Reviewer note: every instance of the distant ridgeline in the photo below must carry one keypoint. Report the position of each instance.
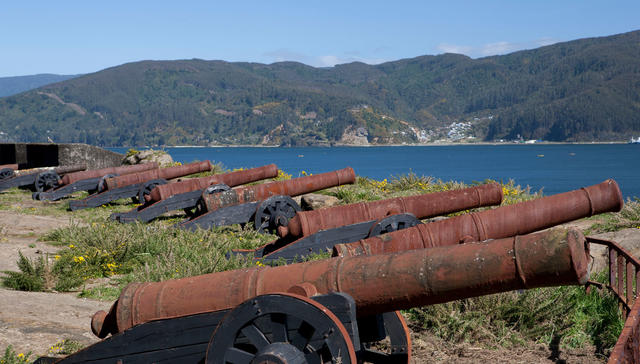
(582, 90)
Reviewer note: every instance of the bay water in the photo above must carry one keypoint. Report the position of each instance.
(552, 168)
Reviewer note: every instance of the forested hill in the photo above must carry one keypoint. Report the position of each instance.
(582, 90)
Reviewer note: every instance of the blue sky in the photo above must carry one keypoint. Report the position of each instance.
(69, 37)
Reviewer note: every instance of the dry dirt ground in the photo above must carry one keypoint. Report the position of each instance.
(34, 321)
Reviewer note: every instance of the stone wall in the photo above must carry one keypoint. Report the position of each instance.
(33, 155)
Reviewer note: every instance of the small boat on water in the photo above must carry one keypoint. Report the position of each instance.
(634, 141)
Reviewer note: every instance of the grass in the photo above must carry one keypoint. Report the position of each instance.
(628, 217)
(98, 257)
(562, 316)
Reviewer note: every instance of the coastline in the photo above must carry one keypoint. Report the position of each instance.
(372, 145)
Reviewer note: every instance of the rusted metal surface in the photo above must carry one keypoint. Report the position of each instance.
(10, 166)
(521, 218)
(74, 168)
(292, 187)
(624, 275)
(378, 283)
(627, 348)
(421, 206)
(162, 173)
(96, 173)
(230, 179)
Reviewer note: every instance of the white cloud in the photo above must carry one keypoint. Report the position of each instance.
(499, 48)
(545, 42)
(329, 60)
(452, 48)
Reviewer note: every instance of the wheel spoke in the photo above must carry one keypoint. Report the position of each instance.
(302, 336)
(279, 328)
(255, 336)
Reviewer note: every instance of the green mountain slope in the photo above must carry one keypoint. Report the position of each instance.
(587, 89)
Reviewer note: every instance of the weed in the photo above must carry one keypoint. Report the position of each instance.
(33, 276)
(65, 347)
(11, 357)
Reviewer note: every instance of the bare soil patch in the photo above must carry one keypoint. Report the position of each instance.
(34, 321)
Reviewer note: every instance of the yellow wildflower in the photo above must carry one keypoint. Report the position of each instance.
(21, 355)
(79, 259)
(71, 246)
(57, 257)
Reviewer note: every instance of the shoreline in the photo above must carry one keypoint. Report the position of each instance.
(370, 145)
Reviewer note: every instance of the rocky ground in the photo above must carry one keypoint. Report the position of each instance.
(35, 321)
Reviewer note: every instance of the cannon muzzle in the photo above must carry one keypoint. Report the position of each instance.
(378, 283)
(502, 222)
(230, 179)
(161, 173)
(421, 206)
(292, 187)
(97, 173)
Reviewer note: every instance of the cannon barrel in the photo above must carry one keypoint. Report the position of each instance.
(96, 173)
(230, 179)
(9, 166)
(74, 168)
(379, 283)
(292, 187)
(501, 222)
(422, 206)
(161, 173)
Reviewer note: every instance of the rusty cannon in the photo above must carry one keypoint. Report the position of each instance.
(268, 205)
(186, 194)
(7, 170)
(317, 231)
(40, 180)
(137, 185)
(91, 180)
(325, 311)
(501, 222)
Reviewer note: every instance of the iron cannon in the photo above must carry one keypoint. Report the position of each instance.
(91, 180)
(268, 205)
(136, 184)
(501, 222)
(39, 180)
(318, 231)
(185, 194)
(325, 311)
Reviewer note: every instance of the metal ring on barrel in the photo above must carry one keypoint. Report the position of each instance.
(201, 206)
(280, 328)
(273, 212)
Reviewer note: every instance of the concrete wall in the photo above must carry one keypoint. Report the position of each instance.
(32, 155)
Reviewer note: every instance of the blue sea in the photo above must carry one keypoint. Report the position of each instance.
(552, 168)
